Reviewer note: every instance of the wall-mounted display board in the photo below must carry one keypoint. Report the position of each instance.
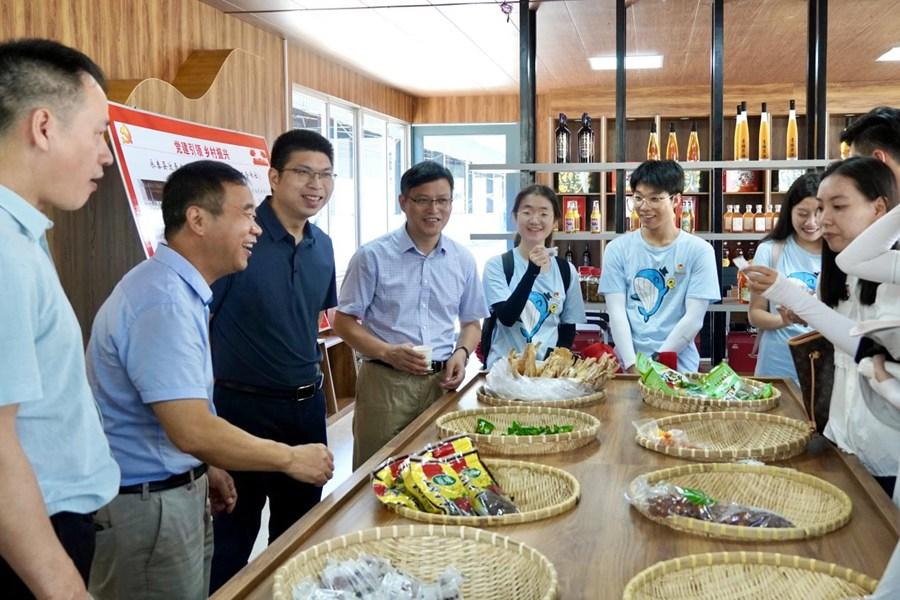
(149, 147)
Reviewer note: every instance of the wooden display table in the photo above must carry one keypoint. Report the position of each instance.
(601, 544)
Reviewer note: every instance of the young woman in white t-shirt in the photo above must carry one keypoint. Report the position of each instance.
(854, 194)
(794, 249)
(534, 306)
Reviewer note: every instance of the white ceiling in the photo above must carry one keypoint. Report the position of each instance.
(426, 49)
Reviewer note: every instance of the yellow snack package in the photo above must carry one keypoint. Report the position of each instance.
(436, 487)
(459, 444)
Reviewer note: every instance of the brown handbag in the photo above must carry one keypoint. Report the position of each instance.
(814, 359)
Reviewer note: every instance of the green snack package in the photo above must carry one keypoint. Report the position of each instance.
(484, 427)
(723, 382)
(697, 497)
(657, 376)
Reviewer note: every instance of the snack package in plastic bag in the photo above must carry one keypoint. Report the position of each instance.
(723, 382)
(436, 487)
(360, 576)
(505, 382)
(387, 483)
(671, 438)
(665, 499)
(457, 444)
(720, 382)
(657, 376)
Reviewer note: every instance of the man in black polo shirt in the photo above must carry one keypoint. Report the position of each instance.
(264, 342)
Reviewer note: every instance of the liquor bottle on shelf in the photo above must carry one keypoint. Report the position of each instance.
(586, 257)
(634, 221)
(596, 220)
(693, 147)
(562, 139)
(726, 254)
(770, 218)
(776, 215)
(653, 143)
(585, 140)
(748, 218)
(759, 220)
(728, 220)
(737, 222)
(737, 133)
(845, 147)
(672, 144)
(571, 219)
(792, 139)
(744, 140)
(765, 134)
(570, 256)
(687, 215)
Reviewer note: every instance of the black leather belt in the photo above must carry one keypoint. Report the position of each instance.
(166, 484)
(299, 393)
(436, 365)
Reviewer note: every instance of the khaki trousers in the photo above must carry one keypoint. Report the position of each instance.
(387, 400)
(157, 545)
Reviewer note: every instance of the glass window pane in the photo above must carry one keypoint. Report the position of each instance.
(342, 208)
(373, 191)
(308, 112)
(479, 198)
(396, 164)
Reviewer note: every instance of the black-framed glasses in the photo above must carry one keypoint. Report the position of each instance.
(305, 174)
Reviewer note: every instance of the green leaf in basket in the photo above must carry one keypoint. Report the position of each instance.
(697, 497)
(484, 427)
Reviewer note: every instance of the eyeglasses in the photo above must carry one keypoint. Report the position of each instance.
(424, 201)
(652, 200)
(304, 174)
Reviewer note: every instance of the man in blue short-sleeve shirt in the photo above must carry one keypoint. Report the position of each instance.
(150, 366)
(54, 459)
(409, 288)
(265, 342)
(659, 280)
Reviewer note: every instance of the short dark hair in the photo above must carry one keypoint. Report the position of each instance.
(878, 129)
(543, 191)
(422, 173)
(299, 140)
(666, 175)
(874, 180)
(37, 71)
(803, 187)
(198, 183)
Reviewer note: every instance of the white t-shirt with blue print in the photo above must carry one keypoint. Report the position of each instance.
(800, 267)
(656, 282)
(548, 305)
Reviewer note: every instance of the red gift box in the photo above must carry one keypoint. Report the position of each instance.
(739, 350)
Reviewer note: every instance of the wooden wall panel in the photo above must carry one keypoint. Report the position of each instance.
(311, 70)
(467, 109)
(133, 41)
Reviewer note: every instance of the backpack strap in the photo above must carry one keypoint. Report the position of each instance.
(565, 271)
(508, 265)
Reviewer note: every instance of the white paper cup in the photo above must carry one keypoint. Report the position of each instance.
(425, 351)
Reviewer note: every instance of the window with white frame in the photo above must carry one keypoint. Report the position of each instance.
(371, 152)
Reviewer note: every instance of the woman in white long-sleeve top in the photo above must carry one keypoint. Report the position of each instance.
(854, 194)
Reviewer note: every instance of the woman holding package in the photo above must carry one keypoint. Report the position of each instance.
(854, 194)
(532, 298)
(794, 249)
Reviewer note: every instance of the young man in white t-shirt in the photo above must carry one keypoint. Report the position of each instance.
(659, 280)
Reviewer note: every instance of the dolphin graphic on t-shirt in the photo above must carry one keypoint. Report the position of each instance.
(651, 287)
(536, 311)
(809, 279)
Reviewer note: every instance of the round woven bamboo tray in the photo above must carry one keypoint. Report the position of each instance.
(492, 565)
(486, 396)
(585, 428)
(691, 404)
(538, 491)
(747, 576)
(732, 435)
(815, 506)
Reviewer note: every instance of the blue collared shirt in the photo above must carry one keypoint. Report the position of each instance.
(402, 295)
(42, 369)
(150, 343)
(266, 317)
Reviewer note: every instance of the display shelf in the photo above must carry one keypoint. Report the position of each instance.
(599, 167)
(730, 307)
(584, 236)
(606, 236)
